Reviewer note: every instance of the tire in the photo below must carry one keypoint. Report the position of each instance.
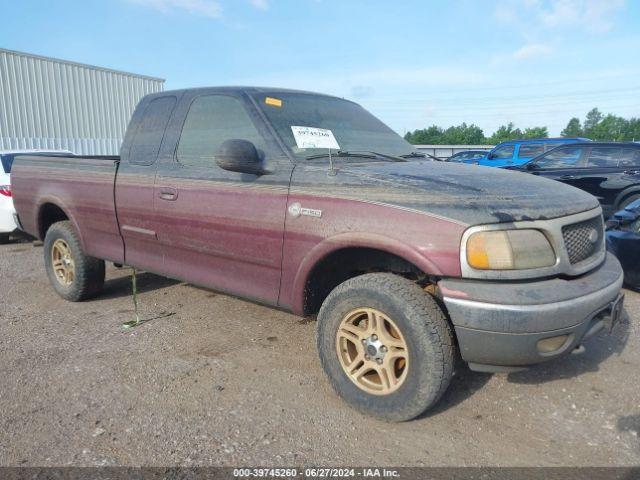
(88, 272)
(4, 238)
(627, 201)
(430, 351)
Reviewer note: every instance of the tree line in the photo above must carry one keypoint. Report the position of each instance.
(596, 126)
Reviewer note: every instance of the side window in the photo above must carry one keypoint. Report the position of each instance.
(213, 119)
(564, 157)
(146, 143)
(630, 157)
(503, 152)
(604, 157)
(531, 150)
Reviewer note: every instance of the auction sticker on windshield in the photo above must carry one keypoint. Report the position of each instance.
(310, 137)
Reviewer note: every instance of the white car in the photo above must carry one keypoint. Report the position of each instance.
(7, 220)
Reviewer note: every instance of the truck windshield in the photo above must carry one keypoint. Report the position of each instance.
(354, 129)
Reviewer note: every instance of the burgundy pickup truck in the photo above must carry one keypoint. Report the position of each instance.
(309, 203)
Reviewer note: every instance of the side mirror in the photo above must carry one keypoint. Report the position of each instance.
(531, 166)
(491, 156)
(239, 156)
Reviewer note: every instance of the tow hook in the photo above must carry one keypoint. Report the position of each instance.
(578, 350)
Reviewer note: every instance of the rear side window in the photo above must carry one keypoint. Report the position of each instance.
(146, 143)
(604, 157)
(564, 157)
(503, 152)
(630, 157)
(531, 150)
(213, 119)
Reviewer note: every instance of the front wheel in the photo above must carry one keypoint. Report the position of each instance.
(385, 345)
(74, 275)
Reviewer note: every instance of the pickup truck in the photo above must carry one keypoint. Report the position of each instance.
(309, 203)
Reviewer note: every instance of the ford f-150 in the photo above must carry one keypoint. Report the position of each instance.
(309, 203)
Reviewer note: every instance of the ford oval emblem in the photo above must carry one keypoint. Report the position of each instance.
(593, 236)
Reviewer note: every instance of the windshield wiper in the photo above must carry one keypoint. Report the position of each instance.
(422, 155)
(341, 153)
(358, 154)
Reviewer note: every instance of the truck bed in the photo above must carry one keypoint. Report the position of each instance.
(83, 184)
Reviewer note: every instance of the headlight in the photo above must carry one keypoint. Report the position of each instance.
(509, 250)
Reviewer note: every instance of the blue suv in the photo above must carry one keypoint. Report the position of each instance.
(519, 152)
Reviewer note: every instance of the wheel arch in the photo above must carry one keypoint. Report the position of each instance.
(325, 266)
(50, 211)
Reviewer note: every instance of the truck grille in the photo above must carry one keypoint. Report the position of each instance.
(580, 240)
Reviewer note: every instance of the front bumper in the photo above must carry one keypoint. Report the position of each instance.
(499, 324)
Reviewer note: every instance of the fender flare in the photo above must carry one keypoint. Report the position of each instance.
(354, 240)
(53, 200)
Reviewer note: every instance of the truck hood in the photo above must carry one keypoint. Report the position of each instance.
(468, 194)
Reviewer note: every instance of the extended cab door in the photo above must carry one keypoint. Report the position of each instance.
(134, 189)
(218, 228)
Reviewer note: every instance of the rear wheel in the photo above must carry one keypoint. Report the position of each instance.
(385, 345)
(73, 274)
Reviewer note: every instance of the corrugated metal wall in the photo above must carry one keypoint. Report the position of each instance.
(47, 103)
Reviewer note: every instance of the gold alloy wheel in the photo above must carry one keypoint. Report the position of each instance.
(64, 268)
(372, 351)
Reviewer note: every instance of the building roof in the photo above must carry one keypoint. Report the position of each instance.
(82, 65)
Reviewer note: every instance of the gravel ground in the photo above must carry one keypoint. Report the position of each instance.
(212, 380)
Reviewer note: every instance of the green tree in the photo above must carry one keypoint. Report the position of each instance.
(463, 135)
(632, 131)
(573, 128)
(593, 118)
(505, 133)
(535, 132)
(427, 136)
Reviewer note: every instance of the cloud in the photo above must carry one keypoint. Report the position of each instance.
(260, 4)
(532, 50)
(593, 16)
(206, 8)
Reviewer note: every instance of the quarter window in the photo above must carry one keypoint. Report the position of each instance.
(146, 143)
(213, 119)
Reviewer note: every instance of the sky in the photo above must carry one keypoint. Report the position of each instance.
(412, 63)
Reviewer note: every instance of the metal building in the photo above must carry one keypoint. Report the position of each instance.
(46, 103)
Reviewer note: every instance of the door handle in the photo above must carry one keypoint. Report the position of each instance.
(168, 193)
(567, 177)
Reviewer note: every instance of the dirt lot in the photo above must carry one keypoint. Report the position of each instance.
(213, 380)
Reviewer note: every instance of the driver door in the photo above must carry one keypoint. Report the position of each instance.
(217, 228)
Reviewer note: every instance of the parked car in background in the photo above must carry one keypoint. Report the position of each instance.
(610, 171)
(623, 240)
(519, 152)
(7, 221)
(467, 155)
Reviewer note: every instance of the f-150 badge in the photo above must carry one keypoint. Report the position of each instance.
(295, 210)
